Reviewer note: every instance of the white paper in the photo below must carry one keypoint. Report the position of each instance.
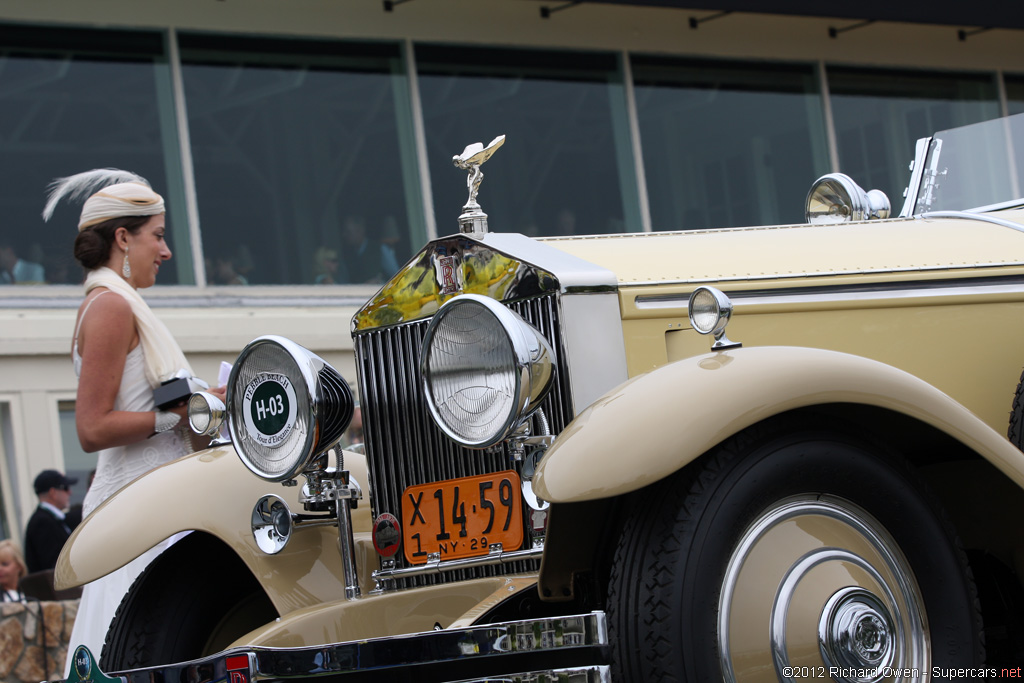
(224, 374)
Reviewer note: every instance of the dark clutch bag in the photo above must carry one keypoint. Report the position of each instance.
(171, 393)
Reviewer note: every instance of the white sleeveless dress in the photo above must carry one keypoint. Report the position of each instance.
(116, 468)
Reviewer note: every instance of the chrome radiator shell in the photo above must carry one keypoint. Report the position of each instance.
(404, 446)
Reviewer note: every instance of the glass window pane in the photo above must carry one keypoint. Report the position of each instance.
(727, 144)
(77, 463)
(8, 465)
(880, 114)
(298, 170)
(70, 101)
(1014, 93)
(565, 167)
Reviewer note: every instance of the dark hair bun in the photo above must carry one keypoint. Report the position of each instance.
(91, 250)
(93, 245)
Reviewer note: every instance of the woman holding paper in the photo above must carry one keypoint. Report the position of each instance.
(121, 352)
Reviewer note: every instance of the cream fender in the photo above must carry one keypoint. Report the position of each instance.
(210, 491)
(654, 424)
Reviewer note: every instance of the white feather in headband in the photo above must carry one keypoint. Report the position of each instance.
(112, 193)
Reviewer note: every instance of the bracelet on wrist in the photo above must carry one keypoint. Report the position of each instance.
(165, 421)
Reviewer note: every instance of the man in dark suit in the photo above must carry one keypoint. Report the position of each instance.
(47, 529)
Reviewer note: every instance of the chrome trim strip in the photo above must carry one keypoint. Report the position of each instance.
(823, 273)
(750, 299)
(968, 216)
(434, 564)
(1001, 206)
(462, 653)
(589, 674)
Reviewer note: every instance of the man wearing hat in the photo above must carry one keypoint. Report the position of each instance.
(47, 529)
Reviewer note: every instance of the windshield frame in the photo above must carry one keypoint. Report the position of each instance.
(974, 168)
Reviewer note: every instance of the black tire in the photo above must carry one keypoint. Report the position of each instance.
(179, 609)
(1015, 432)
(724, 532)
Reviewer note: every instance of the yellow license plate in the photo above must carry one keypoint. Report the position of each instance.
(462, 517)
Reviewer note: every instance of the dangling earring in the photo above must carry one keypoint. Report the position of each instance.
(126, 268)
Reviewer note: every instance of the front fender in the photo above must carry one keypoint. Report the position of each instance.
(211, 491)
(654, 424)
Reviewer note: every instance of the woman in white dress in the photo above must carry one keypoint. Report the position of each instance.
(121, 352)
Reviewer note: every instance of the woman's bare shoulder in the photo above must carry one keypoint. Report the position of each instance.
(108, 318)
(102, 302)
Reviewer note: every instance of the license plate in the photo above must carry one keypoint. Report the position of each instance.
(462, 517)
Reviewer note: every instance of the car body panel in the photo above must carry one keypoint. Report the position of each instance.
(963, 337)
(870, 250)
(211, 491)
(383, 614)
(917, 302)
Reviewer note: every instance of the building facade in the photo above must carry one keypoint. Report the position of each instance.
(304, 148)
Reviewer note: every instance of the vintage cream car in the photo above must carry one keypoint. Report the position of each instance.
(572, 472)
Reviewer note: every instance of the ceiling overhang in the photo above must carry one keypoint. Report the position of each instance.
(977, 14)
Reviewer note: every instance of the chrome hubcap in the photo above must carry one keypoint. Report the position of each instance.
(838, 598)
(856, 634)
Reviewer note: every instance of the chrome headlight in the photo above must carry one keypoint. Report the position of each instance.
(286, 406)
(836, 198)
(484, 369)
(710, 310)
(206, 413)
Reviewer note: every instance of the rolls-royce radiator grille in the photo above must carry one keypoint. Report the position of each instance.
(403, 445)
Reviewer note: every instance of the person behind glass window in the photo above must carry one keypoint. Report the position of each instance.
(362, 256)
(17, 271)
(12, 569)
(224, 272)
(565, 222)
(389, 240)
(121, 352)
(47, 528)
(325, 266)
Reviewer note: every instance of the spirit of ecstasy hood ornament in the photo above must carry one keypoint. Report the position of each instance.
(473, 220)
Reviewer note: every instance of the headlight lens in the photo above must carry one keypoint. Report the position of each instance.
(484, 369)
(709, 310)
(286, 406)
(205, 413)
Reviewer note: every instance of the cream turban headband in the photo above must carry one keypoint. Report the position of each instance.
(116, 194)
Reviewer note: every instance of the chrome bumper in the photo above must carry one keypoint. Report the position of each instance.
(569, 649)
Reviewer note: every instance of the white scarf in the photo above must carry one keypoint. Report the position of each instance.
(164, 357)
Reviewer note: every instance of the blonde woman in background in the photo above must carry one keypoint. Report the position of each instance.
(12, 569)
